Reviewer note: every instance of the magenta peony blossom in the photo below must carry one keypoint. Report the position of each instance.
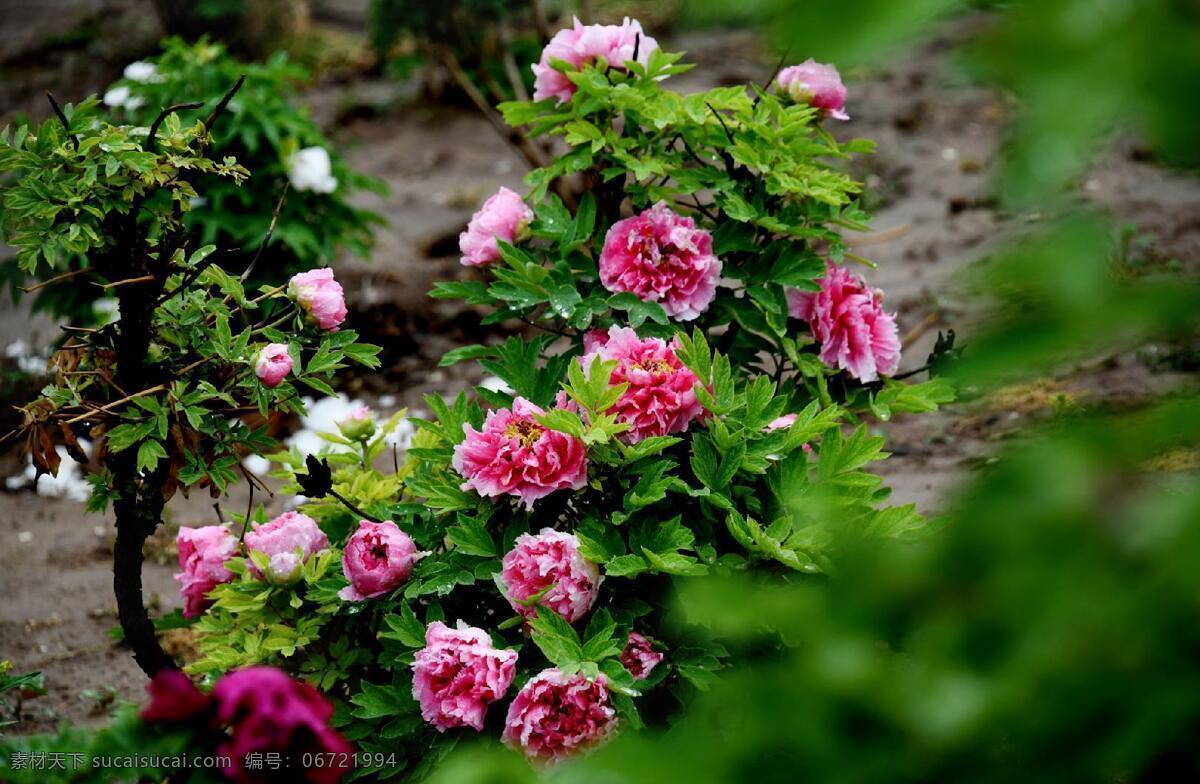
(639, 656)
(273, 365)
(268, 712)
(555, 716)
(660, 256)
(287, 541)
(580, 45)
(173, 697)
(458, 674)
(505, 216)
(515, 455)
(848, 320)
(203, 553)
(661, 397)
(378, 557)
(817, 85)
(551, 558)
(320, 296)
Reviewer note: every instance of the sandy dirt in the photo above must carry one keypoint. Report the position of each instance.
(938, 139)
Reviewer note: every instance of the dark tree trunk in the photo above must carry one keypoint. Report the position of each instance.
(136, 520)
(139, 503)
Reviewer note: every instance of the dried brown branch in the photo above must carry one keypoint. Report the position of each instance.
(55, 279)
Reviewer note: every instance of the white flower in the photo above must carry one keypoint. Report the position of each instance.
(311, 170)
(120, 98)
(142, 71)
(117, 96)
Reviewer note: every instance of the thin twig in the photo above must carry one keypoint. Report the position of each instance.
(519, 143)
(779, 67)
(878, 237)
(55, 279)
(190, 278)
(62, 118)
(110, 406)
(688, 148)
(344, 502)
(720, 119)
(127, 281)
(152, 138)
(225, 99)
(511, 71)
(703, 211)
(270, 231)
(916, 332)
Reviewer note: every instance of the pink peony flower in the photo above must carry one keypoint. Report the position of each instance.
(555, 716)
(817, 85)
(173, 697)
(268, 712)
(273, 365)
(515, 455)
(582, 44)
(287, 541)
(505, 216)
(781, 423)
(458, 674)
(639, 656)
(660, 256)
(848, 320)
(320, 296)
(203, 553)
(378, 557)
(550, 559)
(661, 397)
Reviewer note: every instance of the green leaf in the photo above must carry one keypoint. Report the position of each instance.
(556, 639)
(149, 453)
(599, 641)
(471, 537)
(463, 353)
(405, 628)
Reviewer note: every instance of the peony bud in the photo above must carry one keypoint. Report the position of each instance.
(817, 85)
(639, 656)
(273, 365)
(319, 296)
(359, 425)
(504, 216)
(278, 549)
(378, 558)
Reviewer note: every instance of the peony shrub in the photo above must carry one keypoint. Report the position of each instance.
(693, 405)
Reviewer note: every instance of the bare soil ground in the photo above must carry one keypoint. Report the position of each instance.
(938, 139)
